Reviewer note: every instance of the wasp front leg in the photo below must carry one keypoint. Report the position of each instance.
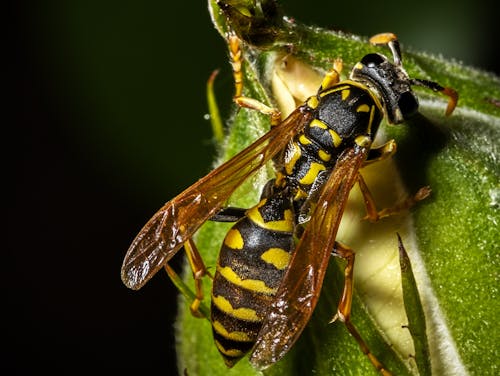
(332, 77)
(381, 153)
(236, 55)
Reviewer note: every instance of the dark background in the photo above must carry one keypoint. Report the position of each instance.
(107, 104)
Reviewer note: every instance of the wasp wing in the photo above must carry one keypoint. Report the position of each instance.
(177, 221)
(298, 293)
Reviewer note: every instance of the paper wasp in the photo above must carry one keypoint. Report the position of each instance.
(273, 260)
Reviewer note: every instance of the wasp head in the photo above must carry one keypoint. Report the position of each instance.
(390, 83)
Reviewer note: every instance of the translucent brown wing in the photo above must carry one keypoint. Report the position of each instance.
(299, 291)
(177, 221)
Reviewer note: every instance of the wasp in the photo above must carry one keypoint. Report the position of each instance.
(273, 260)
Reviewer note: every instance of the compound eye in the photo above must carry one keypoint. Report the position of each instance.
(408, 104)
(372, 60)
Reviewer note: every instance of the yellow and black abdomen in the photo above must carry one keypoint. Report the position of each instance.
(251, 264)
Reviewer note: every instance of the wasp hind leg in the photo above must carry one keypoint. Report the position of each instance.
(344, 307)
(199, 271)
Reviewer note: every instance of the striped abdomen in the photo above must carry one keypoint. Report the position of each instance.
(251, 264)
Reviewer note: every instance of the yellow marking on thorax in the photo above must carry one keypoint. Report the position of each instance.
(286, 224)
(234, 240)
(312, 173)
(277, 257)
(363, 108)
(232, 353)
(300, 194)
(235, 336)
(312, 102)
(345, 94)
(318, 123)
(292, 158)
(370, 121)
(304, 140)
(334, 89)
(249, 284)
(324, 156)
(336, 139)
(365, 89)
(225, 306)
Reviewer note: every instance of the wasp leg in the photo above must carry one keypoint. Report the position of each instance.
(232, 214)
(381, 153)
(332, 77)
(199, 271)
(229, 214)
(201, 310)
(373, 215)
(236, 56)
(344, 308)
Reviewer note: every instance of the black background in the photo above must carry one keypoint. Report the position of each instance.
(107, 104)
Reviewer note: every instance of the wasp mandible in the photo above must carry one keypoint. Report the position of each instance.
(273, 260)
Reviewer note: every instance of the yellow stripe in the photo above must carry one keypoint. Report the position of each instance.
(249, 284)
(300, 195)
(313, 172)
(324, 156)
(291, 158)
(336, 139)
(370, 122)
(340, 87)
(233, 353)
(363, 108)
(365, 89)
(312, 102)
(233, 239)
(304, 140)
(318, 123)
(285, 224)
(235, 336)
(345, 94)
(277, 257)
(246, 314)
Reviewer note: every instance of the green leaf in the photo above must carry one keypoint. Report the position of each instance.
(452, 237)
